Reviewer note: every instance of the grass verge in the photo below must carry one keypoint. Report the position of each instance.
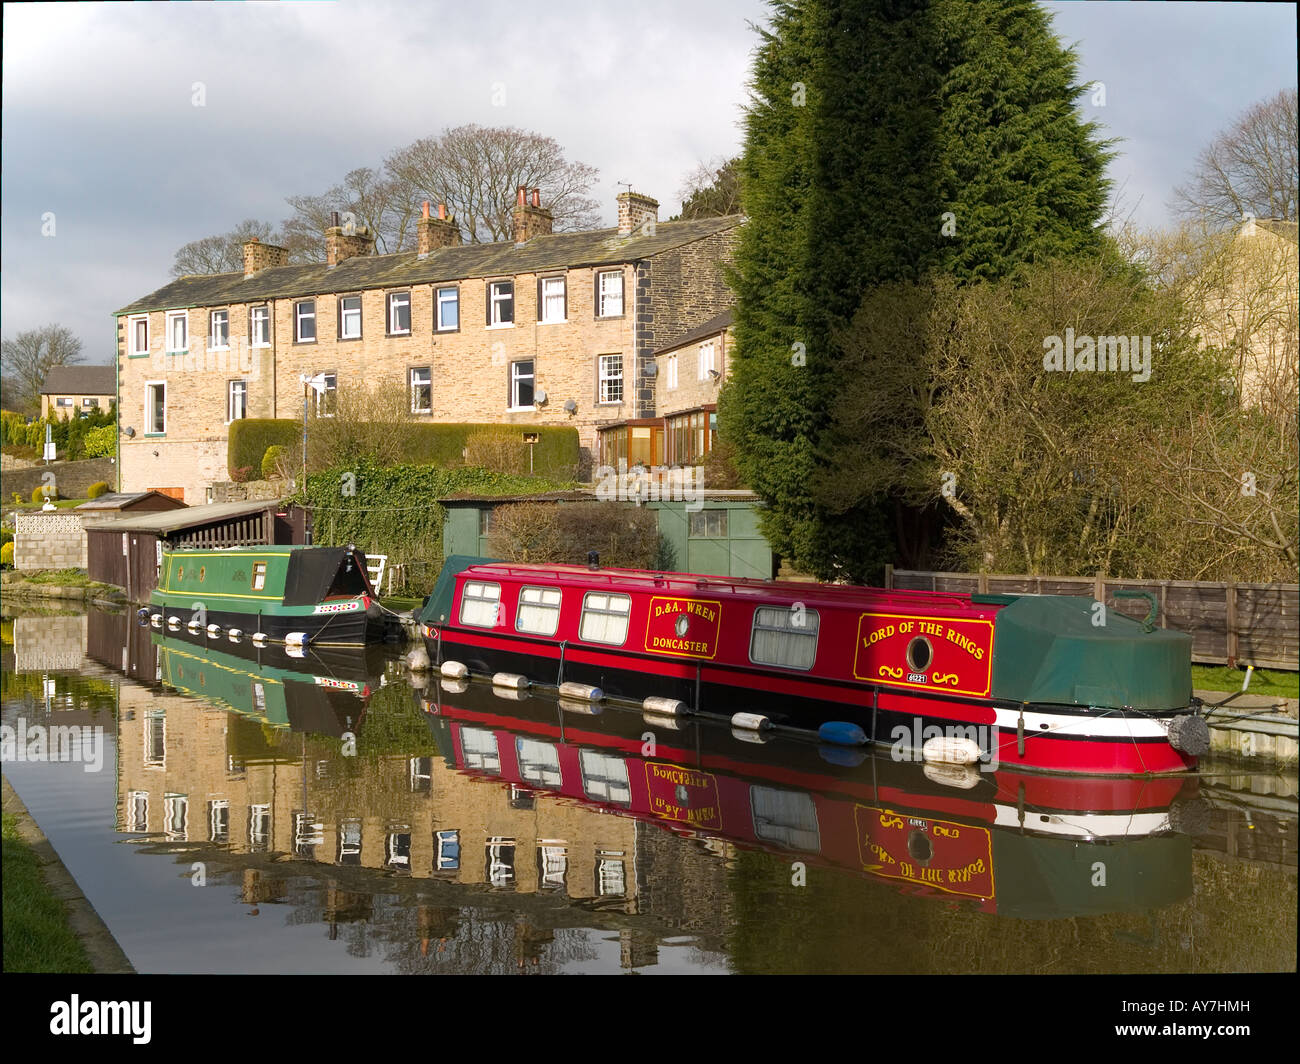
(1274, 682)
(37, 937)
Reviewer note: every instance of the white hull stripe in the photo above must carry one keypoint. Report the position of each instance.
(1115, 727)
(1084, 825)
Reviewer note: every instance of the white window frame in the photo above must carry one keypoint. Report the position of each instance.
(133, 323)
(63, 400)
(604, 777)
(496, 300)
(765, 620)
(516, 378)
(181, 318)
(539, 763)
(553, 292)
(219, 820)
(259, 315)
(605, 299)
(607, 379)
(259, 828)
(137, 810)
(299, 318)
(176, 817)
(707, 352)
(477, 598)
(233, 388)
(413, 385)
(213, 341)
(538, 612)
(592, 610)
(148, 408)
(347, 314)
(394, 301)
(321, 400)
(444, 861)
(670, 373)
(480, 750)
(440, 301)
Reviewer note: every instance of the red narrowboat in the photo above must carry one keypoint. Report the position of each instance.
(1046, 682)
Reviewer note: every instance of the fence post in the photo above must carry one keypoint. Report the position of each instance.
(889, 575)
(1231, 593)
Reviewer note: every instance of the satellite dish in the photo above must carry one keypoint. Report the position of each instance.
(539, 397)
(128, 432)
(650, 369)
(570, 407)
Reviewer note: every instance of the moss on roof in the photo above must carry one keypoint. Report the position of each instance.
(599, 247)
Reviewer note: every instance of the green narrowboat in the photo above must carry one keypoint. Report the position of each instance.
(320, 596)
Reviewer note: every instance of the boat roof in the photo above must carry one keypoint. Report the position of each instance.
(693, 584)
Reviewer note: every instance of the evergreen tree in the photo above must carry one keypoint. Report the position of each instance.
(869, 119)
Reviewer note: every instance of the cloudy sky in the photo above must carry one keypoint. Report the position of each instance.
(102, 143)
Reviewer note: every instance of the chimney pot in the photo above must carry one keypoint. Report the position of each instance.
(442, 211)
(537, 197)
(426, 209)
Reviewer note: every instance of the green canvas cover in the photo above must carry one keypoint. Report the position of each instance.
(437, 607)
(1047, 649)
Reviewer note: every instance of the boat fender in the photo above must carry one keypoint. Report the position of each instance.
(143, 611)
(156, 620)
(235, 635)
(845, 756)
(297, 639)
(173, 623)
(455, 670)
(571, 705)
(455, 687)
(214, 630)
(1189, 734)
(746, 736)
(667, 707)
(295, 650)
(963, 776)
(582, 692)
(417, 660)
(259, 639)
(951, 750)
(657, 721)
(194, 626)
(842, 733)
(511, 680)
(752, 721)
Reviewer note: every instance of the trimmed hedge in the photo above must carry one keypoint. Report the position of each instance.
(100, 487)
(554, 455)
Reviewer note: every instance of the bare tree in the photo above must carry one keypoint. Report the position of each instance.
(29, 356)
(1249, 169)
(475, 170)
(379, 203)
(224, 253)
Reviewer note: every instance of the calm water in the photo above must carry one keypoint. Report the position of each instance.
(256, 813)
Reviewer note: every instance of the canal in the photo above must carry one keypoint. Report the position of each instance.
(233, 810)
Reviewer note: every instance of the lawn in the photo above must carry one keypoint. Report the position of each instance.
(37, 937)
(1262, 682)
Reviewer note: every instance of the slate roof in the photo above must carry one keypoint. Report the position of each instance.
(598, 247)
(189, 517)
(80, 380)
(118, 500)
(711, 327)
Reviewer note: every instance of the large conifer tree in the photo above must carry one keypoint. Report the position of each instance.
(868, 120)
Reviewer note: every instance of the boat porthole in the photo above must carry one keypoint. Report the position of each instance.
(920, 847)
(202, 569)
(919, 654)
(683, 623)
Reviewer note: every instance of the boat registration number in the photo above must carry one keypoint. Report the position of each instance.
(336, 607)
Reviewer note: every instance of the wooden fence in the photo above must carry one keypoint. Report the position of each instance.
(1233, 624)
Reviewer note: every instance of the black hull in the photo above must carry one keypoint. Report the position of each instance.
(333, 630)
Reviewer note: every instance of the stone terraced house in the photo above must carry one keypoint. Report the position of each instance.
(546, 329)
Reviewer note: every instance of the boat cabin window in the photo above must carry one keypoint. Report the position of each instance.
(785, 637)
(539, 610)
(539, 763)
(604, 778)
(259, 576)
(787, 818)
(479, 748)
(605, 618)
(480, 604)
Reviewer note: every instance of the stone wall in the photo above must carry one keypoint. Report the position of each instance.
(71, 478)
(49, 644)
(50, 539)
(229, 491)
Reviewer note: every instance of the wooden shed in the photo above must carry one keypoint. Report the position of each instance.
(128, 551)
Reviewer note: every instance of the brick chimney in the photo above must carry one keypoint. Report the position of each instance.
(530, 217)
(340, 245)
(634, 211)
(435, 233)
(259, 256)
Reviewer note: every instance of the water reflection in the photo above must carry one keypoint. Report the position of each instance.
(433, 827)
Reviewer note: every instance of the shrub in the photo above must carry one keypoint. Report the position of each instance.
(7, 556)
(273, 462)
(6, 536)
(40, 492)
(626, 536)
(100, 442)
(100, 487)
(251, 436)
(241, 475)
